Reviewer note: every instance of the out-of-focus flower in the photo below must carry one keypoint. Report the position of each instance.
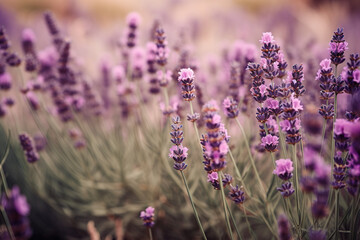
(28, 147)
(17, 210)
(284, 230)
(148, 216)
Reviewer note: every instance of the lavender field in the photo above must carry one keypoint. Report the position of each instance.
(179, 119)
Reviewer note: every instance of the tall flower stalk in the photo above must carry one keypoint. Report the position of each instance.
(179, 154)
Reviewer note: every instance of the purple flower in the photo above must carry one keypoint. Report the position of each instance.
(186, 73)
(212, 177)
(186, 78)
(296, 104)
(5, 81)
(17, 210)
(317, 235)
(148, 216)
(267, 38)
(133, 19)
(270, 143)
(28, 147)
(322, 173)
(284, 228)
(311, 159)
(325, 64)
(162, 51)
(356, 76)
(33, 100)
(284, 169)
(286, 189)
(178, 152)
(337, 47)
(319, 207)
(230, 107)
(237, 194)
(342, 127)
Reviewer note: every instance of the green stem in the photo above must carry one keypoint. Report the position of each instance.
(337, 214)
(150, 234)
(239, 175)
(195, 126)
(3, 178)
(323, 135)
(233, 221)
(296, 183)
(193, 205)
(166, 96)
(7, 223)
(224, 203)
(250, 155)
(249, 226)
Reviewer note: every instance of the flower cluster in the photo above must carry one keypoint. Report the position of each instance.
(231, 109)
(215, 145)
(337, 47)
(351, 74)
(353, 180)
(162, 51)
(28, 147)
(133, 20)
(284, 230)
(316, 180)
(148, 217)
(186, 78)
(178, 152)
(17, 210)
(291, 120)
(325, 77)
(28, 46)
(284, 170)
(295, 80)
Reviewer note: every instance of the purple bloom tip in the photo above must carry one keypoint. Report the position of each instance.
(267, 37)
(186, 73)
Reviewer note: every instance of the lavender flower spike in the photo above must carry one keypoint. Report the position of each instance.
(178, 152)
(148, 216)
(28, 147)
(17, 209)
(186, 77)
(284, 228)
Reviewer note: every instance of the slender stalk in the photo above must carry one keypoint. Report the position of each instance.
(166, 96)
(249, 226)
(323, 135)
(296, 182)
(337, 214)
(150, 234)
(233, 221)
(7, 223)
(195, 126)
(224, 203)
(239, 175)
(3, 178)
(250, 155)
(193, 206)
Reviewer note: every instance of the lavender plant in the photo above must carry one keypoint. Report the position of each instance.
(99, 150)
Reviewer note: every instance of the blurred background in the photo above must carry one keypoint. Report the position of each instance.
(303, 28)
